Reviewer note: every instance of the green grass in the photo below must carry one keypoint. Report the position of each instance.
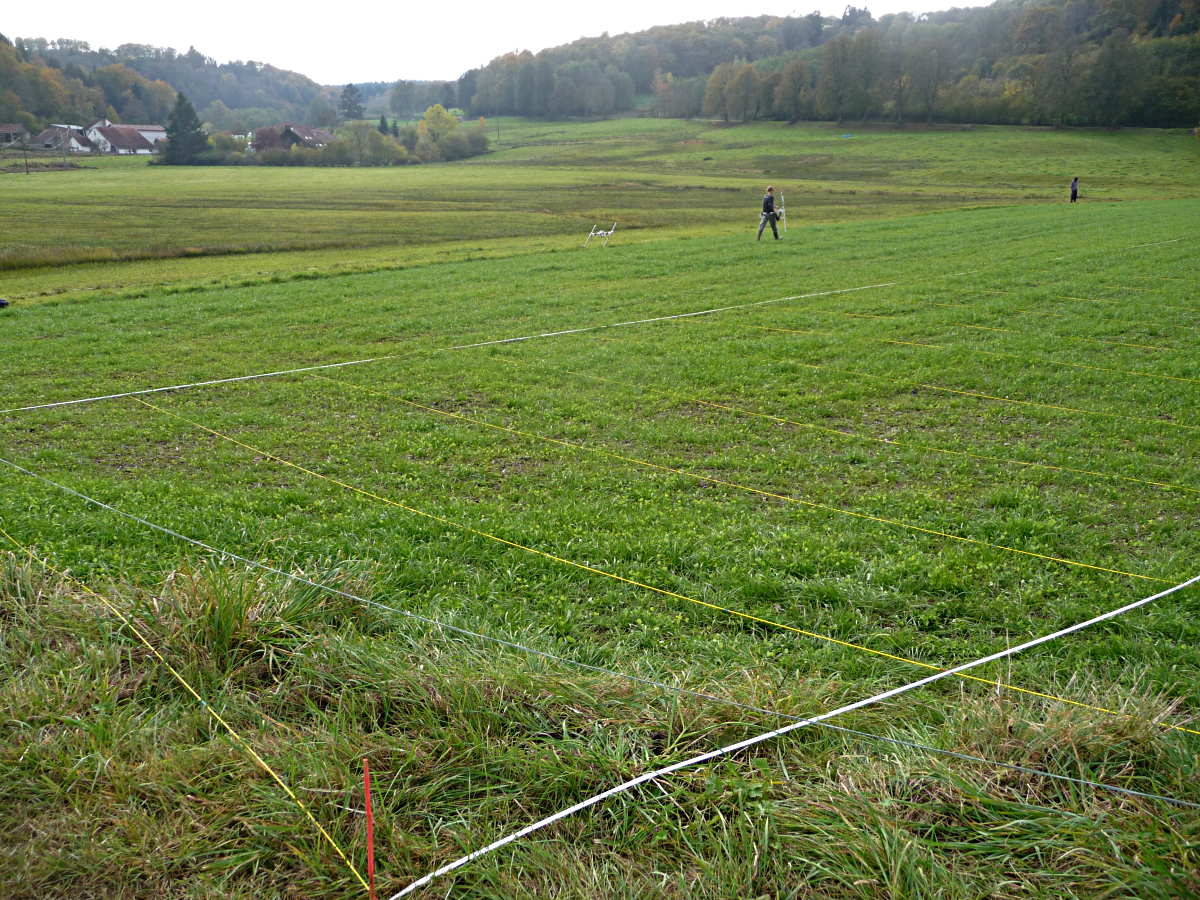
(116, 784)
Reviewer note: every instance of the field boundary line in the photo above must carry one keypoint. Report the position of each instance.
(735, 485)
(590, 667)
(779, 732)
(393, 356)
(620, 578)
(233, 733)
(850, 434)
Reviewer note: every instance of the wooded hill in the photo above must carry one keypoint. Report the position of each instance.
(66, 80)
(1081, 62)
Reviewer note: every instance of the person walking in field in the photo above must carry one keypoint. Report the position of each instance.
(768, 214)
(1074, 188)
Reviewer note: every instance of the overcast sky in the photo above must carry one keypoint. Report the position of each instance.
(358, 40)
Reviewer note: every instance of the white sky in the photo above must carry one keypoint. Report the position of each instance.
(362, 40)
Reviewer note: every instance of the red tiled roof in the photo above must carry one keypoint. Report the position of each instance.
(125, 137)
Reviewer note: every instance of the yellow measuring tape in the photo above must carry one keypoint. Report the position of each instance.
(673, 395)
(241, 742)
(743, 487)
(620, 578)
(1059, 337)
(938, 387)
(1040, 362)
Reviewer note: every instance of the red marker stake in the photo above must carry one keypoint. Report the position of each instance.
(370, 828)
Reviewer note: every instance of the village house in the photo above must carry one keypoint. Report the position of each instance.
(288, 135)
(155, 134)
(11, 133)
(120, 139)
(64, 137)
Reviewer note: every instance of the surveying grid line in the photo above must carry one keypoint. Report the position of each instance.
(1040, 362)
(567, 661)
(741, 487)
(196, 384)
(671, 395)
(703, 312)
(1063, 337)
(779, 732)
(1155, 244)
(620, 578)
(968, 349)
(238, 739)
(393, 356)
(1035, 403)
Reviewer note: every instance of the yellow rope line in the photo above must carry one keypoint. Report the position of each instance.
(572, 445)
(753, 490)
(938, 387)
(1016, 356)
(241, 742)
(649, 587)
(1061, 337)
(1048, 362)
(1058, 296)
(674, 395)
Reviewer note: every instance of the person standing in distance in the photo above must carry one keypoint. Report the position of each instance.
(768, 214)
(1074, 188)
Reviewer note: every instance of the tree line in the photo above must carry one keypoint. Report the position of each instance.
(1077, 62)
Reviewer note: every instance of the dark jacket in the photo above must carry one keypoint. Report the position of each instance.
(769, 203)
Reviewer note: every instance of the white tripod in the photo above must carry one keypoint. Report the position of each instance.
(598, 232)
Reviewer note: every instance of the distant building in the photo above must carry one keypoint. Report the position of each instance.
(64, 137)
(120, 139)
(288, 135)
(13, 134)
(155, 134)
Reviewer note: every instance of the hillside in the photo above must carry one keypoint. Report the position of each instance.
(66, 80)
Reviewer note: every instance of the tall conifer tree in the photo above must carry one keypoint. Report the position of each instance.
(185, 136)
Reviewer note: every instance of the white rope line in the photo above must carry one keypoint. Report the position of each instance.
(567, 661)
(702, 312)
(778, 732)
(195, 384)
(374, 359)
(1155, 244)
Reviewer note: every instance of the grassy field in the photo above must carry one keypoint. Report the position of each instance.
(946, 414)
